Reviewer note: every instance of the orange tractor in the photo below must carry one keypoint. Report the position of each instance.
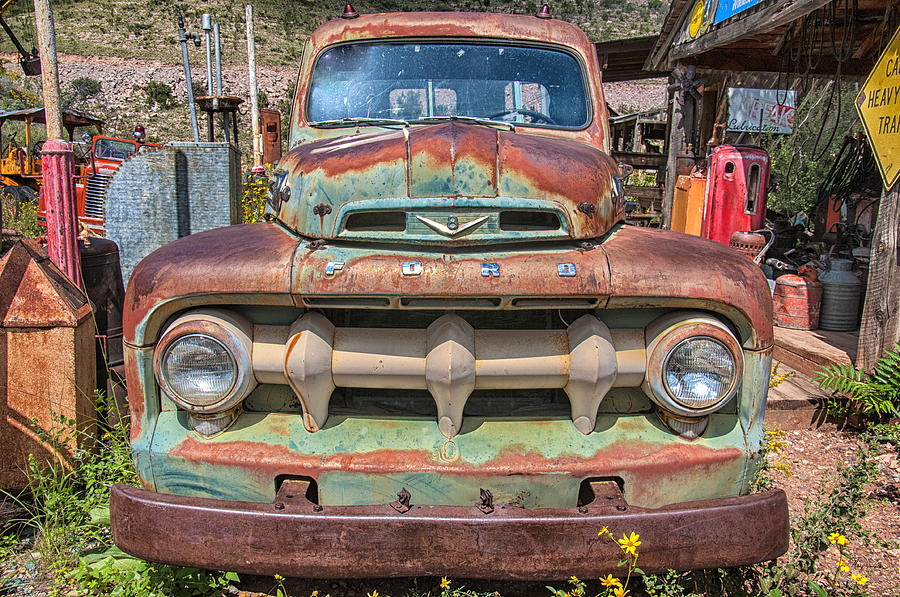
(96, 159)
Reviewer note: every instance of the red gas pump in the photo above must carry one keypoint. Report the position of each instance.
(736, 191)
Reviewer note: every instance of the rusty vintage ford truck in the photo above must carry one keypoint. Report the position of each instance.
(443, 353)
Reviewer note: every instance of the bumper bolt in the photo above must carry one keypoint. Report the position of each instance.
(278, 506)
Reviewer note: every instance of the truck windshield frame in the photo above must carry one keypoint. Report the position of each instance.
(420, 81)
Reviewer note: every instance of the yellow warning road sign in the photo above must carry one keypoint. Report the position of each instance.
(878, 104)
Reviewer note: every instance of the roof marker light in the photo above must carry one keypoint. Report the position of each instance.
(544, 12)
(349, 13)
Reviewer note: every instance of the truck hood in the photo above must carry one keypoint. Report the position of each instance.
(394, 185)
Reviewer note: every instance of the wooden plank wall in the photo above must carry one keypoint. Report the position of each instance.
(880, 327)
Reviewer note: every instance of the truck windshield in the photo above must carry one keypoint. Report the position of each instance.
(410, 81)
(114, 149)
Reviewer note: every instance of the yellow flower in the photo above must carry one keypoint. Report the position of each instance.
(837, 538)
(372, 594)
(842, 565)
(620, 592)
(445, 584)
(279, 577)
(573, 579)
(630, 543)
(576, 592)
(859, 578)
(610, 581)
(603, 531)
(315, 593)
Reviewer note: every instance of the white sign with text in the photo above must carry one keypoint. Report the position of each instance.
(761, 110)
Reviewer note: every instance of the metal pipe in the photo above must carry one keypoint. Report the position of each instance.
(58, 161)
(226, 125)
(183, 37)
(218, 48)
(256, 137)
(206, 25)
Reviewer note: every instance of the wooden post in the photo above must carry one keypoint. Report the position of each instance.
(676, 145)
(256, 135)
(880, 327)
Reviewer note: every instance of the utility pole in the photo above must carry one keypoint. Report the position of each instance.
(254, 94)
(57, 159)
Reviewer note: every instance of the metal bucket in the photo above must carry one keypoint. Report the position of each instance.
(840, 297)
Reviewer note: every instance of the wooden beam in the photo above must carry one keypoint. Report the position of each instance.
(658, 58)
(880, 327)
(643, 192)
(775, 16)
(641, 161)
(826, 66)
(675, 146)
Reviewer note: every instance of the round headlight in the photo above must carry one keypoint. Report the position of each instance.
(202, 361)
(694, 363)
(199, 370)
(699, 372)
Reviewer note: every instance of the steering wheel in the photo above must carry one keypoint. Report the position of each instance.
(524, 112)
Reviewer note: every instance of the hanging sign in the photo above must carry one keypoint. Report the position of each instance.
(878, 104)
(761, 110)
(729, 8)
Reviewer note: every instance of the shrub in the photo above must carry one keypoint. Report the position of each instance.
(159, 94)
(85, 87)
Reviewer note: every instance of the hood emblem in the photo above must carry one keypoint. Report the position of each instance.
(453, 227)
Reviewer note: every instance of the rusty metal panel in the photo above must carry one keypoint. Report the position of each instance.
(295, 537)
(193, 270)
(525, 272)
(47, 367)
(656, 466)
(448, 161)
(657, 268)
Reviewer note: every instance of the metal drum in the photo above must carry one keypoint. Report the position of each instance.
(840, 297)
(797, 301)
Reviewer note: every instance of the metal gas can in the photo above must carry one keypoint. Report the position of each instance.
(736, 191)
(840, 297)
(797, 300)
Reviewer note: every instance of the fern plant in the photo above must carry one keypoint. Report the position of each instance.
(873, 396)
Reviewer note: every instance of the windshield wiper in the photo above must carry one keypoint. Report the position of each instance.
(473, 119)
(356, 121)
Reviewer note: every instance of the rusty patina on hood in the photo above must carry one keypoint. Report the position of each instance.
(452, 166)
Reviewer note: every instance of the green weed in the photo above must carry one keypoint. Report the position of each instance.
(871, 396)
(67, 513)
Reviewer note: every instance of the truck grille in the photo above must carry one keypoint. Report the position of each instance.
(95, 196)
